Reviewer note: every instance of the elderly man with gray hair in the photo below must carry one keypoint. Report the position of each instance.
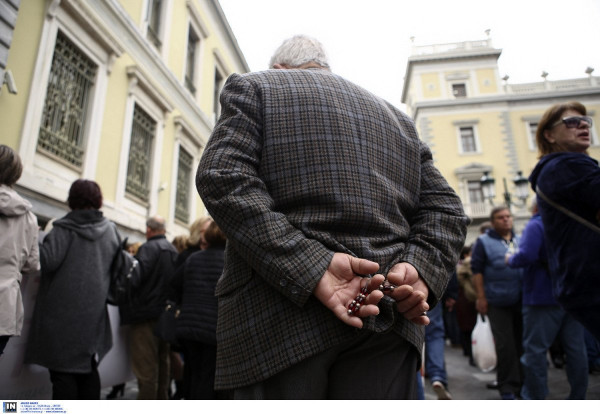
(150, 354)
(319, 185)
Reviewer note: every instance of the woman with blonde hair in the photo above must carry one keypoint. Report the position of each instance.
(194, 284)
(567, 181)
(194, 242)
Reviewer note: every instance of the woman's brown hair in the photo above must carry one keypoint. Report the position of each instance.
(550, 117)
(214, 236)
(10, 166)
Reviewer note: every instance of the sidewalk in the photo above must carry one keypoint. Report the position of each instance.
(469, 383)
(465, 382)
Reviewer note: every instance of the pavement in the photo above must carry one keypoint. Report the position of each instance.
(465, 382)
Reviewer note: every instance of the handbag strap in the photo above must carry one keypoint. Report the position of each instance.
(566, 211)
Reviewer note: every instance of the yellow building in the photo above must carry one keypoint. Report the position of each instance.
(475, 122)
(124, 92)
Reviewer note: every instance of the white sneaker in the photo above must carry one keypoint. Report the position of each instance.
(441, 390)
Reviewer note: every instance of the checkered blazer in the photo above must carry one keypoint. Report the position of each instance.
(303, 164)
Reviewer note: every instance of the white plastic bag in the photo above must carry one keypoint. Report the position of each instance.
(482, 344)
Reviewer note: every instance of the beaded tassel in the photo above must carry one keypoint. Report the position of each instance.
(355, 305)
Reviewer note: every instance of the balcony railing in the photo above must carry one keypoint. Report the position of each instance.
(560, 85)
(477, 210)
(451, 47)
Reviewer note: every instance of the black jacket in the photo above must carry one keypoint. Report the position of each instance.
(194, 285)
(156, 269)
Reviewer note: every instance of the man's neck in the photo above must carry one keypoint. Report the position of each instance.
(154, 234)
(506, 235)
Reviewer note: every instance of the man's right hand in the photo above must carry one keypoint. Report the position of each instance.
(341, 283)
(482, 305)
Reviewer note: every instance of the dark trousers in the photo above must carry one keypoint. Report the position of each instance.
(70, 386)
(3, 342)
(589, 317)
(371, 367)
(507, 328)
(199, 371)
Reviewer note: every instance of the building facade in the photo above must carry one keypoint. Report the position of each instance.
(475, 122)
(124, 92)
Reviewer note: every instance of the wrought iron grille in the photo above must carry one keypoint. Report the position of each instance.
(143, 131)
(71, 79)
(182, 197)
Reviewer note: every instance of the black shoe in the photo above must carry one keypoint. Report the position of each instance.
(116, 389)
(492, 385)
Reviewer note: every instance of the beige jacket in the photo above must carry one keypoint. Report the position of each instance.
(465, 279)
(19, 253)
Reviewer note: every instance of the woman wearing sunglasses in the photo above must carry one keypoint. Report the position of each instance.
(567, 181)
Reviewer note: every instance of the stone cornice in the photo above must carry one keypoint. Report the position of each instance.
(504, 99)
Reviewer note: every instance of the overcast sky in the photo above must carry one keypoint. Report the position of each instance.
(368, 41)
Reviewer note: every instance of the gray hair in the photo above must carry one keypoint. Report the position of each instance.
(299, 50)
(156, 223)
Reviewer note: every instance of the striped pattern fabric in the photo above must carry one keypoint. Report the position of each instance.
(303, 164)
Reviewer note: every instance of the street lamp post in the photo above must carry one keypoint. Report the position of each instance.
(489, 191)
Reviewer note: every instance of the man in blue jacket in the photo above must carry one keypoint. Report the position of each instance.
(544, 320)
(498, 290)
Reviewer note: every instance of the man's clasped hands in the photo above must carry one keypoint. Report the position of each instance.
(343, 280)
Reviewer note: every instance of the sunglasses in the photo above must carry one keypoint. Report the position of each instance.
(574, 121)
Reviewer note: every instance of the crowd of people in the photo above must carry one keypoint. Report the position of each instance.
(331, 250)
(536, 295)
(70, 330)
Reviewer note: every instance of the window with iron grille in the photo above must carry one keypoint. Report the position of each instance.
(154, 17)
(64, 115)
(467, 139)
(143, 131)
(182, 197)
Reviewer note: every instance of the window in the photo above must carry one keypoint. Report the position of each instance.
(190, 63)
(71, 79)
(184, 174)
(459, 90)
(468, 143)
(532, 129)
(143, 130)
(475, 192)
(219, 80)
(154, 21)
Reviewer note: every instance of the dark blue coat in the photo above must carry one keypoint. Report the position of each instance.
(194, 284)
(537, 286)
(573, 181)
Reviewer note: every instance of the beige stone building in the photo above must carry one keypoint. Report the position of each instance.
(124, 92)
(476, 122)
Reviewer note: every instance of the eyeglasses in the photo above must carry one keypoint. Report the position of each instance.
(574, 121)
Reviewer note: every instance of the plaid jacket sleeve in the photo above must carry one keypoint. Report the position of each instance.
(437, 229)
(230, 186)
